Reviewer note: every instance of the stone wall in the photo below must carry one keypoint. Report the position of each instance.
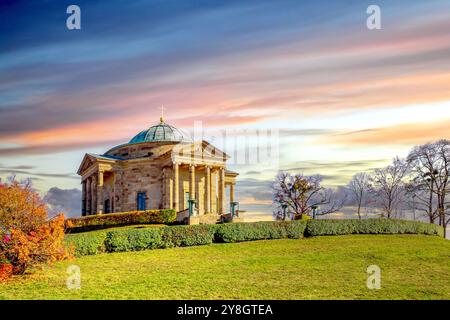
(141, 177)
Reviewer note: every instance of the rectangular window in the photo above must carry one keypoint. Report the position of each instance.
(141, 201)
(107, 206)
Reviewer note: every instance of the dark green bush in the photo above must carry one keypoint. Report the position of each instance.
(184, 236)
(102, 221)
(194, 235)
(87, 243)
(237, 232)
(370, 226)
(296, 229)
(133, 239)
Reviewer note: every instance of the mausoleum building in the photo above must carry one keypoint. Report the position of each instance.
(160, 168)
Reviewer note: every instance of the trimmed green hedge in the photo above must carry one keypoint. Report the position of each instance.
(133, 240)
(168, 237)
(182, 236)
(88, 243)
(102, 221)
(370, 226)
(185, 236)
(238, 232)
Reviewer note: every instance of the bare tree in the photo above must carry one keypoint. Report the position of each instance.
(430, 166)
(333, 200)
(359, 187)
(388, 185)
(298, 195)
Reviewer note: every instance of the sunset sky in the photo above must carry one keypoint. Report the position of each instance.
(342, 97)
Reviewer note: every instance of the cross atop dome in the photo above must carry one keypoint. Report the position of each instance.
(161, 119)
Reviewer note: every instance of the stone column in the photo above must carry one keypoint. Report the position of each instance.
(118, 192)
(88, 196)
(94, 195)
(232, 192)
(167, 190)
(164, 189)
(192, 182)
(176, 195)
(208, 189)
(170, 181)
(113, 196)
(83, 198)
(100, 192)
(222, 194)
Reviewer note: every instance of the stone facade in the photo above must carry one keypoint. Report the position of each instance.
(157, 175)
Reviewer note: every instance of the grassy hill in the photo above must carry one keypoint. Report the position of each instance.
(412, 267)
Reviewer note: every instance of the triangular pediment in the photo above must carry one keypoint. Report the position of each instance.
(199, 150)
(87, 162)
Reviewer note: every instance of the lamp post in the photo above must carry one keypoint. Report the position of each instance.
(314, 209)
(233, 206)
(191, 204)
(284, 206)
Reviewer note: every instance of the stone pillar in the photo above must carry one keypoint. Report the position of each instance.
(192, 182)
(113, 196)
(100, 192)
(83, 198)
(232, 192)
(222, 194)
(170, 181)
(176, 185)
(163, 189)
(118, 192)
(88, 196)
(93, 195)
(208, 189)
(167, 190)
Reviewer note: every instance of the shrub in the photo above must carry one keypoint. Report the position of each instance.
(133, 239)
(183, 236)
(237, 232)
(44, 245)
(6, 271)
(27, 237)
(370, 226)
(87, 243)
(102, 221)
(194, 235)
(296, 229)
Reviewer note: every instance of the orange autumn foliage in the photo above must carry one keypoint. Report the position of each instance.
(27, 237)
(6, 271)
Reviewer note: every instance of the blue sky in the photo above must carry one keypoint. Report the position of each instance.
(344, 98)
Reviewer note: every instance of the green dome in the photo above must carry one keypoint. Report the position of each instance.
(160, 132)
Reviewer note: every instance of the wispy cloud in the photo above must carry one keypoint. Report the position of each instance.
(337, 92)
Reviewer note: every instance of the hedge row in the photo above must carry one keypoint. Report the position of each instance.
(121, 240)
(102, 221)
(370, 226)
(153, 238)
(87, 243)
(238, 232)
(180, 236)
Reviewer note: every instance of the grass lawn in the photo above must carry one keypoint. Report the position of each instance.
(412, 267)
